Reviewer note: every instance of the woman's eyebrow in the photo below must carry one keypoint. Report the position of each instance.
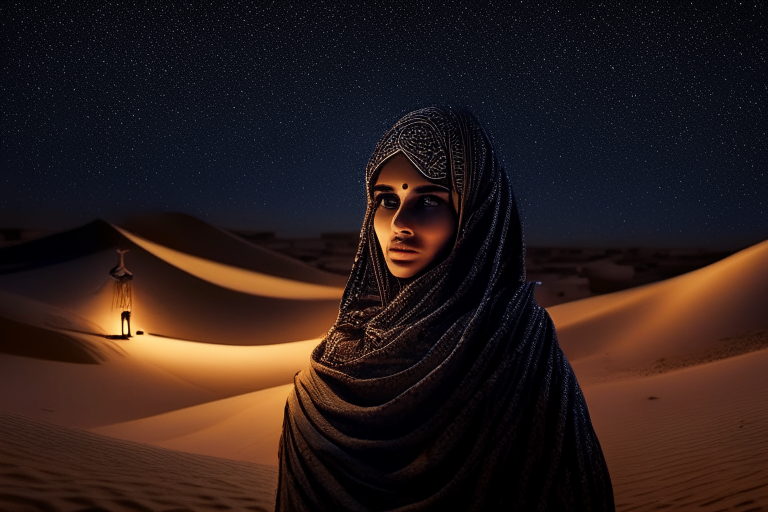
(425, 189)
(383, 188)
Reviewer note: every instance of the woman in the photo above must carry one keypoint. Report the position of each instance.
(441, 385)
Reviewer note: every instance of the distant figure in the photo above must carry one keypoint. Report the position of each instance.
(441, 386)
(122, 296)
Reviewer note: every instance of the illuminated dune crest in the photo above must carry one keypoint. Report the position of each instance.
(671, 318)
(234, 278)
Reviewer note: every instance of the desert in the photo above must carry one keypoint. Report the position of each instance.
(187, 415)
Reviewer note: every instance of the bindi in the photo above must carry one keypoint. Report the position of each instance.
(405, 186)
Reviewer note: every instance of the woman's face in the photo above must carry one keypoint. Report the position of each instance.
(415, 221)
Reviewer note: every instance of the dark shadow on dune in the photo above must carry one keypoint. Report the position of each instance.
(26, 340)
(23, 503)
(188, 234)
(93, 237)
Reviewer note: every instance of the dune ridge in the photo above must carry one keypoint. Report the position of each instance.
(169, 301)
(190, 235)
(609, 335)
(236, 278)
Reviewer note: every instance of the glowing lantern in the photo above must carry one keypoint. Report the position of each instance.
(121, 298)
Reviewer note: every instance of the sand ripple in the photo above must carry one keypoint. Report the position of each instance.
(45, 467)
(693, 439)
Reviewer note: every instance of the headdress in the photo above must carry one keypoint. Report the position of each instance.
(451, 393)
(432, 144)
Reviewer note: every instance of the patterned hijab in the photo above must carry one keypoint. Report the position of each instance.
(449, 392)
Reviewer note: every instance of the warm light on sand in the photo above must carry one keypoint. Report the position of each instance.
(234, 278)
(699, 443)
(223, 369)
(244, 427)
(665, 319)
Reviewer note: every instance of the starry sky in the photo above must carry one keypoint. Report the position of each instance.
(626, 124)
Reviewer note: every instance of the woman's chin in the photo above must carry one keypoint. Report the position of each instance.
(404, 268)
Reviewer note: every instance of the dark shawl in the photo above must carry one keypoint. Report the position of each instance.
(452, 392)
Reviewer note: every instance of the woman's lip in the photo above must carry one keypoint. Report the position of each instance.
(401, 254)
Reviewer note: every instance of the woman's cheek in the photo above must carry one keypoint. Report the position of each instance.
(442, 227)
(382, 221)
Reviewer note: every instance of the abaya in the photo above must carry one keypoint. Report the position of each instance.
(447, 391)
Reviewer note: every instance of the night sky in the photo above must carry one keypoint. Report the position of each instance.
(621, 124)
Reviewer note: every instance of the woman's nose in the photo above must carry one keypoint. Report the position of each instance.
(402, 222)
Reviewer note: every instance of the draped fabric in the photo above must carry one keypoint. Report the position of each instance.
(448, 391)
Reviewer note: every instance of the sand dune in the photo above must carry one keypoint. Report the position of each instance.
(89, 395)
(48, 467)
(236, 278)
(27, 340)
(701, 442)
(31, 312)
(609, 334)
(141, 377)
(224, 370)
(58, 248)
(696, 343)
(189, 235)
(172, 302)
(245, 427)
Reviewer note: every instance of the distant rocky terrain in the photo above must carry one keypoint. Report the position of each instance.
(566, 273)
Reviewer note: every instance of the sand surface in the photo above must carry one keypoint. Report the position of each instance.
(257, 307)
(188, 415)
(48, 467)
(692, 439)
(245, 427)
(611, 334)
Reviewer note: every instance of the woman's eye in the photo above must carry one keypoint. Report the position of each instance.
(430, 201)
(388, 201)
